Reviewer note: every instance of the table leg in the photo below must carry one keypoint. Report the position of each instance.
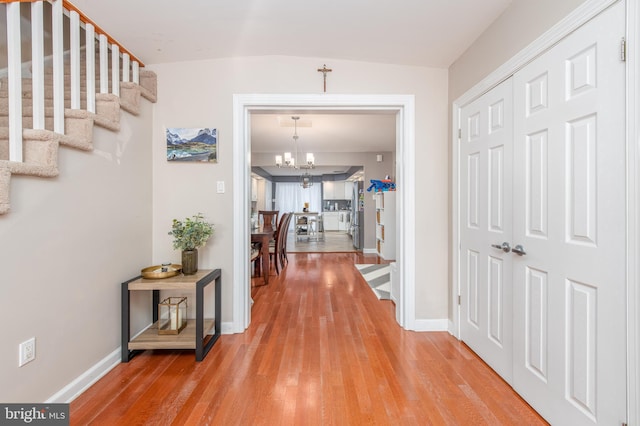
(266, 263)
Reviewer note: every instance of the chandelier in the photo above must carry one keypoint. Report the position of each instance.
(292, 161)
(306, 180)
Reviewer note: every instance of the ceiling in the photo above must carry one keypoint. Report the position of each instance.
(272, 132)
(430, 33)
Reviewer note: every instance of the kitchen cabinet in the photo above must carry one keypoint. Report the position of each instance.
(254, 189)
(331, 221)
(335, 190)
(344, 220)
(348, 190)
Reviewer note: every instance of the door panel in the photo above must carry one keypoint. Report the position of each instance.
(486, 158)
(569, 151)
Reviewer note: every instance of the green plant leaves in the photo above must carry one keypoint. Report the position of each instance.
(191, 233)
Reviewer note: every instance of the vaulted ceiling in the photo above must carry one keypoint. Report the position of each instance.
(430, 33)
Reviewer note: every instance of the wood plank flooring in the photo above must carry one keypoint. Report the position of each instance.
(321, 350)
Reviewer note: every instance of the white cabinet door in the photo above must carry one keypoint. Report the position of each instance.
(338, 190)
(348, 190)
(330, 221)
(327, 191)
(569, 216)
(485, 210)
(254, 189)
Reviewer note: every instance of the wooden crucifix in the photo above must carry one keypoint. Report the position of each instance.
(324, 70)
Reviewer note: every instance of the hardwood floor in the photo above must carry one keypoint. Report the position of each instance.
(321, 350)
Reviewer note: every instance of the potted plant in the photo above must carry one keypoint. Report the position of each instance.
(188, 235)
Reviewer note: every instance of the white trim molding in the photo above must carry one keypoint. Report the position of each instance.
(432, 325)
(633, 213)
(403, 105)
(87, 379)
(83, 382)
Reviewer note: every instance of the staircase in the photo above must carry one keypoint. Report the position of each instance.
(40, 146)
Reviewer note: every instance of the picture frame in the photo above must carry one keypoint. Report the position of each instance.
(198, 144)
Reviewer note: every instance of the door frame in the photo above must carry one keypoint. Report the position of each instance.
(588, 10)
(583, 13)
(403, 106)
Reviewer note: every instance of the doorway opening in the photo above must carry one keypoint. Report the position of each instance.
(404, 108)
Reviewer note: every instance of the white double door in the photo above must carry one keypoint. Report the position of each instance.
(542, 227)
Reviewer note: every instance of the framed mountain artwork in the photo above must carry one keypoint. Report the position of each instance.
(192, 144)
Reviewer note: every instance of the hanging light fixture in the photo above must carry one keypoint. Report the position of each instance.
(292, 161)
(306, 180)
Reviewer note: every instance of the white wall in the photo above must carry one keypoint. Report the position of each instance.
(67, 244)
(519, 25)
(200, 94)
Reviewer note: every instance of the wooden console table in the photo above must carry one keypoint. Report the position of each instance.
(193, 336)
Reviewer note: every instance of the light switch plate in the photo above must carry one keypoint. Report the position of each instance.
(220, 186)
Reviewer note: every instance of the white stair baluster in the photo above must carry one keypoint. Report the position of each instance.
(14, 72)
(37, 64)
(136, 72)
(58, 66)
(75, 59)
(104, 64)
(125, 67)
(115, 69)
(90, 51)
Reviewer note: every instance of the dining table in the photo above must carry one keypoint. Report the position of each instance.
(259, 235)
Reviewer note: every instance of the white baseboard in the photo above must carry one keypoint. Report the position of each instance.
(227, 328)
(369, 251)
(99, 370)
(86, 379)
(452, 329)
(431, 325)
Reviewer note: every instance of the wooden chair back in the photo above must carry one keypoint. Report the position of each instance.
(281, 238)
(285, 232)
(269, 218)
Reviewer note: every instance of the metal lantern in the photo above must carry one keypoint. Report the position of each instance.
(172, 315)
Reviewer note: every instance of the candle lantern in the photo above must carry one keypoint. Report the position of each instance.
(172, 315)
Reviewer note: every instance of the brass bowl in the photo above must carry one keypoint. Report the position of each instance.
(155, 272)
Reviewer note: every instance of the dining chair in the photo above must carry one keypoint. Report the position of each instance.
(285, 237)
(256, 250)
(275, 248)
(269, 219)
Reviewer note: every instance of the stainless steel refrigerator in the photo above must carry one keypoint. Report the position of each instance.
(357, 215)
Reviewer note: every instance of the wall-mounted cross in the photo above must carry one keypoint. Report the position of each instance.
(324, 70)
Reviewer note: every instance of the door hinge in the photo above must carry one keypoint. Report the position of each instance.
(459, 133)
(459, 299)
(623, 50)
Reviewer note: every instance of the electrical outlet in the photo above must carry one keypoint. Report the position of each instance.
(27, 351)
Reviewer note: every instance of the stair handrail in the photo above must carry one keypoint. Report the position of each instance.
(84, 18)
(14, 68)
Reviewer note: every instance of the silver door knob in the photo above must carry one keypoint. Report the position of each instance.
(504, 247)
(519, 250)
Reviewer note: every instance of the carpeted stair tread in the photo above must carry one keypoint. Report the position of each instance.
(40, 153)
(40, 147)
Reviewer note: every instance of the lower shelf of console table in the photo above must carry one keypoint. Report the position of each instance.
(150, 339)
(196, 335)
